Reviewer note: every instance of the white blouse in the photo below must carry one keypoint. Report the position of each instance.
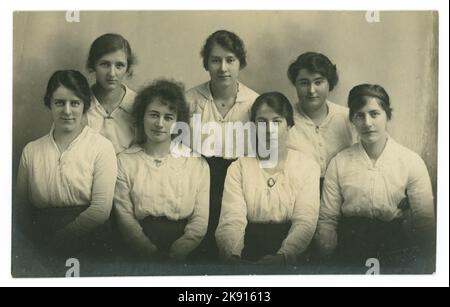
(84, 174)
(118, 127)
(173, 187)
(201, 102)
(248, 198)
(324, 141)
(354, 186)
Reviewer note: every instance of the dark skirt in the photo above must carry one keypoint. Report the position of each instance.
(360, 239)
(163, 232)
(37, 254)
(207, 251)
(263, 239)
(46, 222)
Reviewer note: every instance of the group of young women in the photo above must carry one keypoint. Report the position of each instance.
(342, 190)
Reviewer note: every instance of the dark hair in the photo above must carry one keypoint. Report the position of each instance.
(277, 102)
(108, 43)
(72, 80)
(227, 40)
(315, 63)
(358, 96)
(170, 93)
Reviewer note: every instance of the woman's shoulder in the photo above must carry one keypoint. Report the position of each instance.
(99, 141)
(131, 152)
(198, 91)
(128, 100)
(337, 108)
(37, 145)
(246, 93)
(403, 153)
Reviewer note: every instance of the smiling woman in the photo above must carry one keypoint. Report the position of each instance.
(161, 213)
(65, 184)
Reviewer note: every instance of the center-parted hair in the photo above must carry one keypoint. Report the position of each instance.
(108, 43)
(277, 102)
(72, 80)
(170, 93)
(314, 62)
(227, 40)
(359, 95)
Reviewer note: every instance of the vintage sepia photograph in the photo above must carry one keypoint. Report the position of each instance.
(192, 143)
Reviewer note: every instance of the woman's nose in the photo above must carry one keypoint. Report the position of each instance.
(368, 121)
(112, 71)
(223, 65)
(159, 122)
(67, 109)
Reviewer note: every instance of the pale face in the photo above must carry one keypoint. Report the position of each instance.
(312, 90)
(67, 110)
(276, 126)
(223, 66)
(111, 69)
(158, 120)
(371, 122)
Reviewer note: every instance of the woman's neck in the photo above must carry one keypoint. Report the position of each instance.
(374, 150)
(223, 92)
(64, 139)
(108, 98)
(157, 150)
(317, 116)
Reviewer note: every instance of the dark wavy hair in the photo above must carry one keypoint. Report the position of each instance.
(170, 93)
(107, 43)
(359, 94)
(72, 80)
(315, 63)
(227, 40)
(277, 102)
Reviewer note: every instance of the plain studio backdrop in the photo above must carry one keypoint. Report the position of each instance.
(399, 52)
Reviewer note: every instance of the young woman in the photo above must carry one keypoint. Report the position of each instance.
(66, 179)
(321, 127)
(364, 213)
(111, 60)
(162, 194)
(269, 214)
(220, 101)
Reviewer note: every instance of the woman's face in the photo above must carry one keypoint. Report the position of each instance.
(223, 66)
(371, 121)
(111, 69)
(67, 110)
(158, 119)
(312, 90)
(276, 128)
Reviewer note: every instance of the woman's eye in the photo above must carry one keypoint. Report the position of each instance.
(59, 103)
(75, 103)
(168, 118)
(320, 82)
